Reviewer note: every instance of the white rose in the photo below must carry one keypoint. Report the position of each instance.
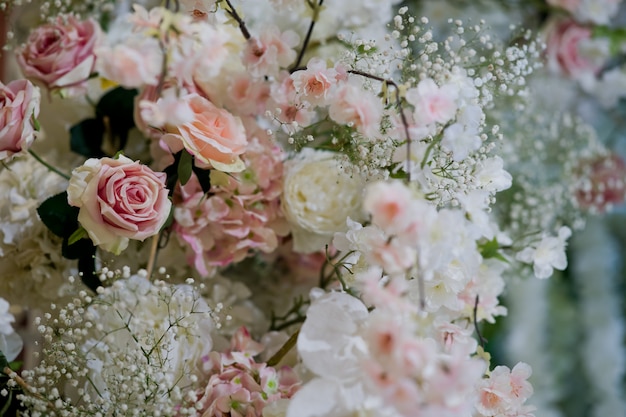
(318, 197)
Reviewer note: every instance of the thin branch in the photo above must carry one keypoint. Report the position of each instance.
(307, 38)
(405, 123)
(238, 19)
(481, 339)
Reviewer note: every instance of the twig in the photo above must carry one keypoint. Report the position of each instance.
(405, 123)
(307, 38)
(481, 339)
(239, 20)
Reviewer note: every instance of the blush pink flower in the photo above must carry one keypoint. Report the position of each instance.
(315, 83)
(132, 64)
(432, 103)
(241, 215)
(19, 107)
(119, 200)
(505, 391)
(352, 105)
(60, 55)
(215, 137)
(270, 51)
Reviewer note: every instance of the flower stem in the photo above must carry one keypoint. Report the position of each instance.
(290, 343)
(47, 165)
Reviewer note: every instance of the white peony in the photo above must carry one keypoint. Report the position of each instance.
(318, 197)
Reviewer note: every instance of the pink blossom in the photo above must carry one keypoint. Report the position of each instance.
(315, 83)
(19, 108)
(60, 54)
(135, 63)
(432, 103)
(239, 386)
(242, 213)
(270, 52)
(248, 95)
(119, 200)
(389, 204)
(284, 100)
(354, 106)
(505, 391)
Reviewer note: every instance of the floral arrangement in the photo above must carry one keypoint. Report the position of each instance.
(280, 208)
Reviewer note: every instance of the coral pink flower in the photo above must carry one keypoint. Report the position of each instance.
(214, 136)
(60, 55)
(19, 107)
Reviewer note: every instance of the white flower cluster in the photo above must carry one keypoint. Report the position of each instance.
(32, 268)
(136, 345)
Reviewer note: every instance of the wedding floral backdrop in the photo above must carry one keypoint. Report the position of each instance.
(312, 208)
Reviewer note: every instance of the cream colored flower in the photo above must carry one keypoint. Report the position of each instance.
(318, 196)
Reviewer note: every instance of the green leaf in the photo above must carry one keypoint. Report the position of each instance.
(204, 178)
(86, 268)
(76, 236)
(16, 365)
(118, 107)
(490, 249)
(58, 215)
(185, 167)
(86, 138)
(3, 362)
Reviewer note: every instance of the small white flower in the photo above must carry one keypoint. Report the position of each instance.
(10, 342)
(548, 255)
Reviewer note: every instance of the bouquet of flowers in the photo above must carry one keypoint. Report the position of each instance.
(277, 208)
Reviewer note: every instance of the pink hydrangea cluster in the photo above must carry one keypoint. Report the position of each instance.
(241, 213)
(238, 385)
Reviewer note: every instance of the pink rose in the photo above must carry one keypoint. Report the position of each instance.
(565, 51)
(214, 136)
(19, 106)
(119, 200)
(60, 54)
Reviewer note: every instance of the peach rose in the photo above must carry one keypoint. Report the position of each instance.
(19, 106)
(215, 137)
(60, 54)
(119, 200)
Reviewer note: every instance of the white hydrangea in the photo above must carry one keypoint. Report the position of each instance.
(32, 268)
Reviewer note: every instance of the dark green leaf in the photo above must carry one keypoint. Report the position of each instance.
(117, 106)
(58, 215)
(185, 167)
(87, 267)
(86, 138)
(204, 177)
(171, 172)
(3, 362)
(8, 400)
